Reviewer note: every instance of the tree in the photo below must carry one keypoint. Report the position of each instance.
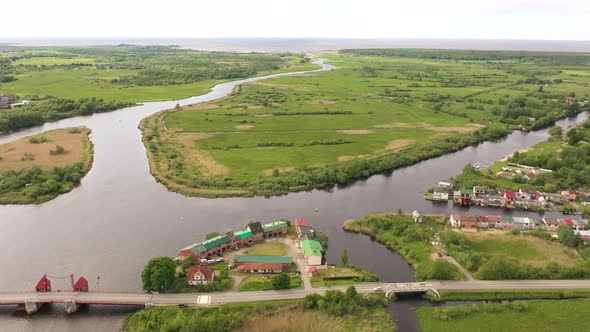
(556, 131)
(442, 270)
(281, 281)
(567, 236)
(344, 258)
(351, 293)
(158, 274)
(311, 300)
(500, 268)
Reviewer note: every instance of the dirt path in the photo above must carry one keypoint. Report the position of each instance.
(453, 261)
(294, 251)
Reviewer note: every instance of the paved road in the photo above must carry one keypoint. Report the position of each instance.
(231, 297)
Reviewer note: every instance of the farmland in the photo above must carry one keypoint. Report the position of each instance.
(37, 168)
(372, 114)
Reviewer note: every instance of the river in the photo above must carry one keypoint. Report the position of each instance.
(119, 217)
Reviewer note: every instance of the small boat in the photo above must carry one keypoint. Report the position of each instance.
(476, 165)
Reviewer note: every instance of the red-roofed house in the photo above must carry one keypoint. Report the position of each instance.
(44, 285)
(301, 222)
(258, 267)
(199, 274)
(569, 222)
(81, 285)
(509, 197)
(530, 176)
(463, 220)
(493, 221)
(570, 100)
(568, 195)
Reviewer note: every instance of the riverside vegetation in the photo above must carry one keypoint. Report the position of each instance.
(335, 311)
(38, 168)
(380, 110)
(106, 78)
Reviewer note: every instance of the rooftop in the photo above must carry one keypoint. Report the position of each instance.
(312, 247)
(263, 259)
(274, 226)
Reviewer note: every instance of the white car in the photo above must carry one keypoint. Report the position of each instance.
(378, 289)
(220, 259)
(211, 261)
(203, 260)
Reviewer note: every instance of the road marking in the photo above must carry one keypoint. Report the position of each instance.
(204, 300)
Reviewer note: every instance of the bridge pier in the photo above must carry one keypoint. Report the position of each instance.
(31, 306)
(71, 306)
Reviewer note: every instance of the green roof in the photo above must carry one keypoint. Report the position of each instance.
(312, 247)
(274, 226)
(263, 259)
(215, 242)
(507, 219)
(240, 235)
(197, 248)
(466, 192)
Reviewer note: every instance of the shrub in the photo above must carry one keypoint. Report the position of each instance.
(58, 150)
(38, 140)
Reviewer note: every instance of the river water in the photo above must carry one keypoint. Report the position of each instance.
(119, 217)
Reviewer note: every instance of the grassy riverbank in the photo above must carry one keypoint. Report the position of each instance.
(411, 240)
(312, 131)
(563, 315)
(266, 316)
(38, 168)
(501, 295)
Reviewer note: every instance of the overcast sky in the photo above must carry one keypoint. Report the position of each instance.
(499, 19)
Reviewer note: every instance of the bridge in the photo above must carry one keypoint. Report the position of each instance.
(31, 301)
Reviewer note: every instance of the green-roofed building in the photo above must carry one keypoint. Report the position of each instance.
(242, 235)
(313, 251)
(263, 259)
(466, 192)
(275, 228)
(215, 242)
(507, 219)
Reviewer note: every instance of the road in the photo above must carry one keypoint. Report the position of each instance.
(123, 298)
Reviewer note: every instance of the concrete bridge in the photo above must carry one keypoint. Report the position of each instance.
(32, 300)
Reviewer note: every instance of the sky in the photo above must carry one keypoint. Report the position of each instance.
(448, 19)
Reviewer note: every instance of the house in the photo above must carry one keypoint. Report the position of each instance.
(304, 230)
(262, 264)
(569, 223)
(417, 217)
(553, 197)
(275, 228)
(479, 190)
(440, 195)
(551, 223)
(313, 271)
(509, 197)
(580, 225)
(20, 104)
(457, 197)
(199, 274)
(463, 220)
(466, 196)
(256, 229)
(584, 235)
(531, 176)
(44, 285)
(507, 222)
(241, 238)
(503, 175)
(207, 248)
(301, 222)
(522, 223)
(493, 221)
(568, 195)
(313, 252)
(81, 285)
(570, 100)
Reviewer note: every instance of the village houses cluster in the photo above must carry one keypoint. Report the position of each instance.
(579, 226)
(11, 101)
(211, 251)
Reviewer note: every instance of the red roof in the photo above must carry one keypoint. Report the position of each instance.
(312, 269)
(43, 283)
(465, 218)
(205, 270)
(301, 222)
(510, 194)
(551, 221)
(531, 175)
(81, 283)
(492, 219)
(569, 98)
(569, 222)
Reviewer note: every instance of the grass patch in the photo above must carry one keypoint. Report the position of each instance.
(359, 274)
(255, 282)
(267, 248)
(498, 295)
(565, 315)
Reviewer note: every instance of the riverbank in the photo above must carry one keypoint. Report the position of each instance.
(338, 312)
(38, 168)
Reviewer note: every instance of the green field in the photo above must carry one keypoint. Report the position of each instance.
(560, 315)
(255, 282)
(371, 114)
(267, 249)
(129, 73)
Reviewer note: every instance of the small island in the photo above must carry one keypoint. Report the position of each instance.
(38, 168)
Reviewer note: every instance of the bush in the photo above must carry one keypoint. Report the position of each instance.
(38, 140)
(57, 151)
(281, 281)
